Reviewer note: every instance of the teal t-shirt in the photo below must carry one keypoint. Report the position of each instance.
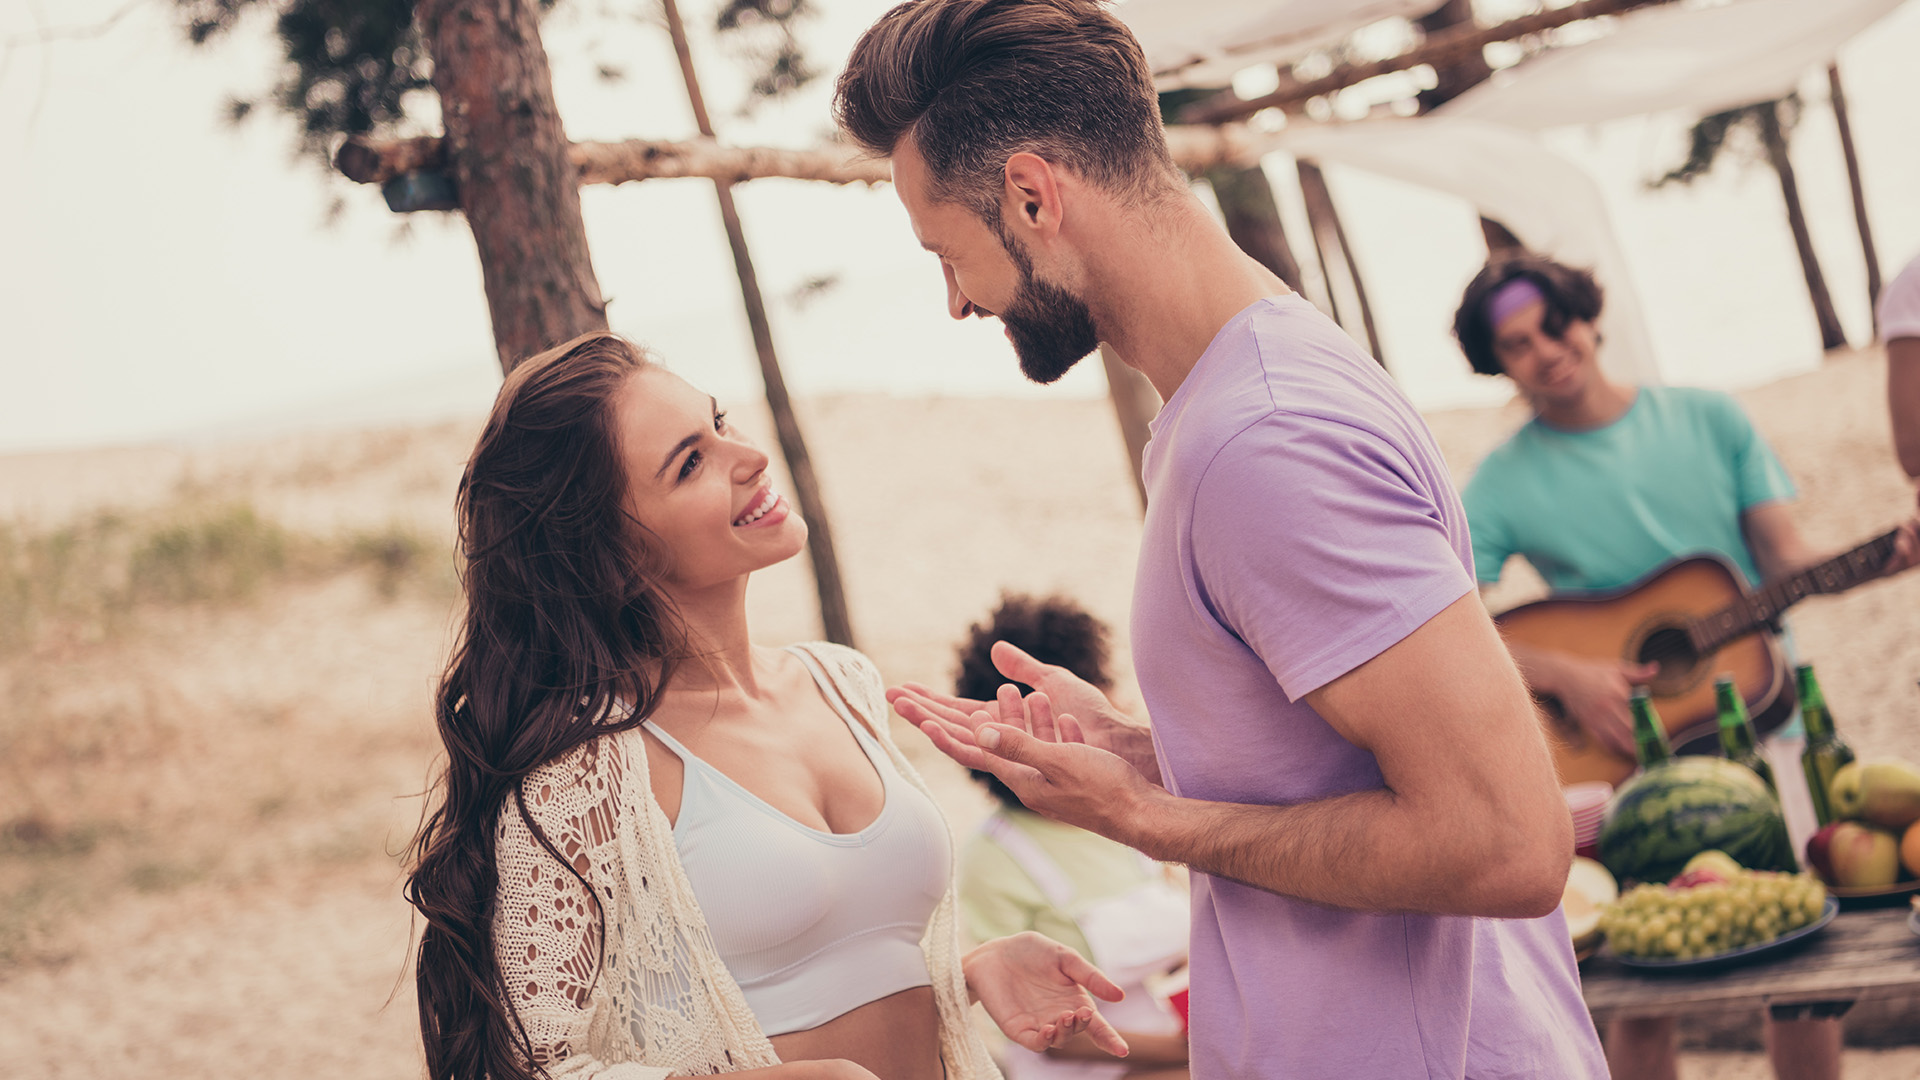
(1600, 509)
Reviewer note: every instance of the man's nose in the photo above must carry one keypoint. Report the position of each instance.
(958, 305)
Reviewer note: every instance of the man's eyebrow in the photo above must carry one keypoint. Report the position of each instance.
(928, 246)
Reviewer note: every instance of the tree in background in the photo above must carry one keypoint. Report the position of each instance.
(351, 67)
(1770, 124)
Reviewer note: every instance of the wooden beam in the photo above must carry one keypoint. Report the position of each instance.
(375, 161)
(1445, 49)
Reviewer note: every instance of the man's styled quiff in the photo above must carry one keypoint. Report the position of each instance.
(976, 81)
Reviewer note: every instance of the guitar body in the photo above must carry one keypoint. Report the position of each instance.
(1647, 622)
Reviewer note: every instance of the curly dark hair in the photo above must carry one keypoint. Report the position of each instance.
(1570, 294)
(1055, 630)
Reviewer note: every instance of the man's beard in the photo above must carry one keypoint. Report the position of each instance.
(1051, 328)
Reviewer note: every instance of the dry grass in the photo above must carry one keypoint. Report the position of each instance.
(161, 722)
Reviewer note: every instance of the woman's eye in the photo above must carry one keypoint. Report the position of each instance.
(720, 420)
(692, 463)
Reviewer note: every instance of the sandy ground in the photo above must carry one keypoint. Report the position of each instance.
(200, 813)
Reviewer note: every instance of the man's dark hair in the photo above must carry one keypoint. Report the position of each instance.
(1053, 631)
(976, 81)
(1570, 294)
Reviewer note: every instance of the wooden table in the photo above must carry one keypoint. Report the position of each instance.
(1863, 954)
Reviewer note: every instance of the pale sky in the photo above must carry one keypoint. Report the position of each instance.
(164, 275)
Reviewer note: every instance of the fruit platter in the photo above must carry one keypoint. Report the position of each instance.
(1712, 880)
(1872, 847)
(1715, 913)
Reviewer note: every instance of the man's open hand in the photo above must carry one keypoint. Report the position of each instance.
(1101, 723)
(1050, 766)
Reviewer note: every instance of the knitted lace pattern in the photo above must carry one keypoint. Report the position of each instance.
(648, 996)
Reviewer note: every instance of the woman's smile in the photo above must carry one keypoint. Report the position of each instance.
(767, 508)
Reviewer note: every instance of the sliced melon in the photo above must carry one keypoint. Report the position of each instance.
(1589, 888)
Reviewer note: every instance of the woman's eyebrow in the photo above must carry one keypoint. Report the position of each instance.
(712, 403)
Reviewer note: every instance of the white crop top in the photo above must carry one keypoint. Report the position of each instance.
(812, 924)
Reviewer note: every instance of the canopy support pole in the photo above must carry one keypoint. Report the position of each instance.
(835, 619)
(1831, 335)
(1839, 99)
(1330, 239)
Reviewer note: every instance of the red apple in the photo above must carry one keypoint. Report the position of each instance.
(1854, 856)
(1818, 845)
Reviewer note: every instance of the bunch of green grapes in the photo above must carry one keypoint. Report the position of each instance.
(1656, 921)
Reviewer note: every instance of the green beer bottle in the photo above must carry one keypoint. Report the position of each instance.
(1649, 735)
(1825, 751)
(1737, 740)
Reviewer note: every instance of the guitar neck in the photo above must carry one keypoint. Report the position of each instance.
(1764, 606)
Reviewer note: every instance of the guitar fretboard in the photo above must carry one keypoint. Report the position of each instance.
(1762, 606)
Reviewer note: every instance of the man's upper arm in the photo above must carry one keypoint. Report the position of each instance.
(1313, 548)
(1444, 712)
(1774, 539)
(1758, 475)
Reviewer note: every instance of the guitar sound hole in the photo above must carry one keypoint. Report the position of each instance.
(1673, 651)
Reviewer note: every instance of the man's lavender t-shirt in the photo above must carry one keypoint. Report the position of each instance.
(1301, 521)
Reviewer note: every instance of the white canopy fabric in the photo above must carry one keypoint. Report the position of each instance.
(1702, 60)
(1550, 204)
(1203, 42)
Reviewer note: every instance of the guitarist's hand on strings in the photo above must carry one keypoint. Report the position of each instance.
(1592, 693)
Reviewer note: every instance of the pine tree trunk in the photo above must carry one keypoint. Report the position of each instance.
(508, 156)
(835, 619)
(1831, 335)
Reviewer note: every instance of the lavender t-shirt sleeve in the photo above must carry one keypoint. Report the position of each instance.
(1319, 546)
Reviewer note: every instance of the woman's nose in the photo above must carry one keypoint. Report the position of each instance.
(750, 464)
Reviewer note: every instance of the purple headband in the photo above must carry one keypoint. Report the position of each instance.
(1511, 297)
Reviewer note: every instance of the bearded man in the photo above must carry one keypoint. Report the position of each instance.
(1340, 746)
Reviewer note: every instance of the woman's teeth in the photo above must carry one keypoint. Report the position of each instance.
(759, 510)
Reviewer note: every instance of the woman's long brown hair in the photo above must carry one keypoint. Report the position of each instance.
(566, 637)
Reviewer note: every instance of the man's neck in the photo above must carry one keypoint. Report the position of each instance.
(1164, 286)
(1603, 402)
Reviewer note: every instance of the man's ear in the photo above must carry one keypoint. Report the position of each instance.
(1031, 200)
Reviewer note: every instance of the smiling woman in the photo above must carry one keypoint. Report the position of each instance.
(658, 848)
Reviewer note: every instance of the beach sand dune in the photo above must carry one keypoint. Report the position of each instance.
(201, 803)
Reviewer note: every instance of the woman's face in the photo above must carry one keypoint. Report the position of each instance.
(698, 485)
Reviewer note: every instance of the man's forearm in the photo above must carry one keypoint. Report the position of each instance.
(1134, 743)
(1364, 851)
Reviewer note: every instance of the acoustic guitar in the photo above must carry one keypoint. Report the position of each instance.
(1693, 618)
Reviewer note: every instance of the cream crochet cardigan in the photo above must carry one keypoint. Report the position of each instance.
(657, 1001)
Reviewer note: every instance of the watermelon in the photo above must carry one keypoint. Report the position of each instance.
(1685, 805)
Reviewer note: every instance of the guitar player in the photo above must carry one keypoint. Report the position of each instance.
(1606, 483)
